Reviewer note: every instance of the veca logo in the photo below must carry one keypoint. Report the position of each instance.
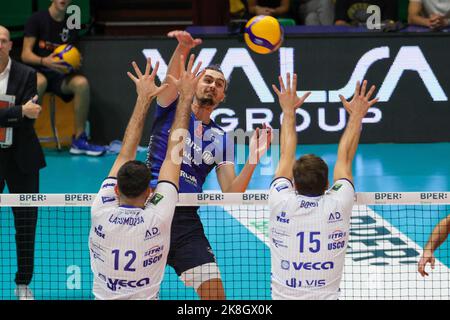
(337, 186)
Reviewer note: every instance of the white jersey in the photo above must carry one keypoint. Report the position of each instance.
(128, 245)
(432, 7)
(308, 240)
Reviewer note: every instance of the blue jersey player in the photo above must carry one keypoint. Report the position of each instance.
(207, 148)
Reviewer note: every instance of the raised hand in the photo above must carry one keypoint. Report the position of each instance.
(289, 101)
(426, 258)
(185, 39)
(260, 143)
(145, 83)
(187, 83)
(360, 103)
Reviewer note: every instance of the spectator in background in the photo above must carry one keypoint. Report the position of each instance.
(434, 14)
(20, 161)
(275, 8)
(316, 12)
(354, 12)
(44, 31)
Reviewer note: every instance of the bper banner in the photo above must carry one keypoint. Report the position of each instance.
(411, 73)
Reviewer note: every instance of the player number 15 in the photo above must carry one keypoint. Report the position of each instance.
(314, 243)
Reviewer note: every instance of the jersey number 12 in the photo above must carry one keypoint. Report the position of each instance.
(128, 267)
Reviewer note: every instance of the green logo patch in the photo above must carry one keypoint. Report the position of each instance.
(337, 186)
(157, 197)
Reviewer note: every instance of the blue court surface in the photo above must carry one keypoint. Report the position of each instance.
(62, 237)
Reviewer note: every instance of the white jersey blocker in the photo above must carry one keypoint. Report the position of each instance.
(308, 240)
(128, 245)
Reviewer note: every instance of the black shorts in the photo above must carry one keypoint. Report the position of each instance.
(55, 81)
(189, 247)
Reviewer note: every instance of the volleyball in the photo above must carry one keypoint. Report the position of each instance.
(263, 34)
(70, 55)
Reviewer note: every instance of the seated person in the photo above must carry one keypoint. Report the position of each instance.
(316, 12)
(434, 14)
(354, 12)
(44, 31)
(275, 8)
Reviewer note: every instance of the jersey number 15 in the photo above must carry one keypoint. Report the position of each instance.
(314, 243)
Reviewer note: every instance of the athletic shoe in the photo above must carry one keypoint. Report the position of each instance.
(23, 292)
(81, 145)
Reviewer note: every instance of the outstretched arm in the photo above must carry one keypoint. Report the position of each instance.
(147, 91)
(186, 85)
(357, 108)
(289, 102)
(437, 237)
(185, 44)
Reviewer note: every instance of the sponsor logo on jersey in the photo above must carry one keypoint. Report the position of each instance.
(151, 233)
(107, 185)
(282, 218)
(154, 251)
(157, 197)
(108, 199)
(337, 186)
(117, 284)
(130, 221)
(279, 243)
(327, 265)
(188, 178)
(336, 245)
(308, 204)
(96, 255)
(285, 264)
(294, 283)
(337, 235)
(99, 231)
(338, 240)
(282, 187)
(334, 217)
(153, 255)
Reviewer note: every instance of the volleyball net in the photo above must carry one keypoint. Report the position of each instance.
(388, 232)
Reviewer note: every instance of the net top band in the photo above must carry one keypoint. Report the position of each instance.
(219, 199)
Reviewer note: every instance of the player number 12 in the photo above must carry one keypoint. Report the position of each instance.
(128, 267)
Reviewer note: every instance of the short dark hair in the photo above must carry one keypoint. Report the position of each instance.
(133, 178)
(311, 175)
(216, 67)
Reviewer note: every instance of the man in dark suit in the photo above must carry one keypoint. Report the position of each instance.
(21, 161)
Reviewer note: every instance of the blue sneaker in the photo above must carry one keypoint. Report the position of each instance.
(81, 145)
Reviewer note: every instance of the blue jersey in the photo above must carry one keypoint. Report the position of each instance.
(205, 148)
